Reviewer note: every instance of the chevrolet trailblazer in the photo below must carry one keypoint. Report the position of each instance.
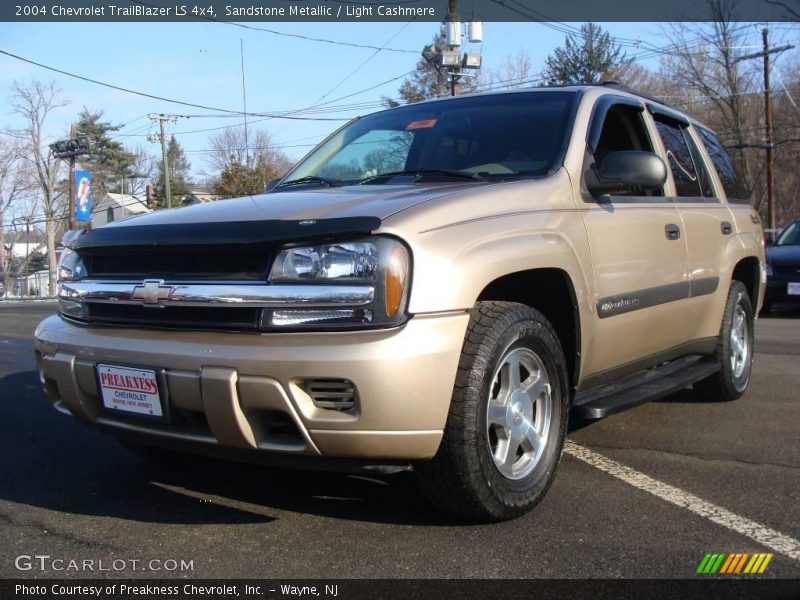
(438, 285)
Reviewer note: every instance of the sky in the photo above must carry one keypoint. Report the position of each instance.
(201, 63)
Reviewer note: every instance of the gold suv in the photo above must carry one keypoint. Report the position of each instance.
(438, 285)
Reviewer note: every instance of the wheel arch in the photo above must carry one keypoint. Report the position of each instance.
(551, 292)
(748, 271)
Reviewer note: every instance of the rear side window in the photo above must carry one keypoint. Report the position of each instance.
(723, 164)
(688, 171)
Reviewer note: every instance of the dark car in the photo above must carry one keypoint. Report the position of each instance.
(783, 267)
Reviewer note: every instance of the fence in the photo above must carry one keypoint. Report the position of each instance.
(26, 285)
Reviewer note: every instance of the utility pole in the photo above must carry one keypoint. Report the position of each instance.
(71, 148)
(161, 118)
(772, 217)
(167, 191)
(73, 134)
(449, 59)
(455, 74)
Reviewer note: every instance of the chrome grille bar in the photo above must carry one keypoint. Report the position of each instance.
(158, 293)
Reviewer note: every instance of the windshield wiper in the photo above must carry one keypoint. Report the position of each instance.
(309, 179)
(424, 171)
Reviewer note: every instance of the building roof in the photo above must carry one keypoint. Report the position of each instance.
(133, 204)
(198, 196)
(22, 237)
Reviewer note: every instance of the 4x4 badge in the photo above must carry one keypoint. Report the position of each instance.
(151, 292)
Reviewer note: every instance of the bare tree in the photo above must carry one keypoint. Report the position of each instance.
(144, 167)
(640, 78)
(14, 184)
(228, 148)
(786, 99)
(515, 71)
(34, 102)
(713, 84)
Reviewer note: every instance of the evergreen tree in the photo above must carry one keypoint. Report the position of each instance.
(109, 161)
(589, 59)
(238, 179)
(178, 176)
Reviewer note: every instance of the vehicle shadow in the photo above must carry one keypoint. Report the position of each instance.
(51, 461)
(781, 311)
(685, 396)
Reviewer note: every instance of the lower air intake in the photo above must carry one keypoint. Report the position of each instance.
(333, 394)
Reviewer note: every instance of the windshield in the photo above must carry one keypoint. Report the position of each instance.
(502, 136)
(790, 236)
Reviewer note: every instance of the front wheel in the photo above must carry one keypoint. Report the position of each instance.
(734, 351)
(508, 417)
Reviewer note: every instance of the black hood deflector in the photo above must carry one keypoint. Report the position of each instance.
(229, 233)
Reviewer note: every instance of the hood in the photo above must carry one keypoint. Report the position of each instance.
(378, 201)
(783, 256)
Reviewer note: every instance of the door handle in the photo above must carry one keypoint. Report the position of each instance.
(673, 232)
(726, 228)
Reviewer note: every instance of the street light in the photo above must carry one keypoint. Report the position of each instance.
(471, 60)
(71, 147)
(451, 58)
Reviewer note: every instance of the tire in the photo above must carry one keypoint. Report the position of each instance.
(734, 351)
(488, 466)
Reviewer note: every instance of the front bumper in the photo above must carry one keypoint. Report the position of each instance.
(245, 391)
(777, 289)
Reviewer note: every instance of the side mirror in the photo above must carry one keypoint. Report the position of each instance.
(626, 171)
(272, 183)
(70, 236)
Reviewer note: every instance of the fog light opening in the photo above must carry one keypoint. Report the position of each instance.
(295, 318)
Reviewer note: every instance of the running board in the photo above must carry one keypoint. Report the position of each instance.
(652, 384)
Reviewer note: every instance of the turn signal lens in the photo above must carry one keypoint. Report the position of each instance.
(396, 274)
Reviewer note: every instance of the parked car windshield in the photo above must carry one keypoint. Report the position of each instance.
(501, 136)
(790, 236)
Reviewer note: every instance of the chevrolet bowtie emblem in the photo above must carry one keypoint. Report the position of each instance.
(151, 292)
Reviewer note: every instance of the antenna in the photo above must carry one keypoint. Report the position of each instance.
(244, 103)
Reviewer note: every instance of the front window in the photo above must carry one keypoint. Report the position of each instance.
(790, 236)
(497, 137)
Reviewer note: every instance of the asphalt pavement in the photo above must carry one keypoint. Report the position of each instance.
(71, 493)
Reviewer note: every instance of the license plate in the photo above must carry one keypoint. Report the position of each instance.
(129, 390)
(793, 289)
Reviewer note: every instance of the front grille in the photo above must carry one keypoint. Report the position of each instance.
(198, 317)
(179, 263)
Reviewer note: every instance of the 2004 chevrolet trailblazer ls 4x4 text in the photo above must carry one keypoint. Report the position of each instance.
(439, 284)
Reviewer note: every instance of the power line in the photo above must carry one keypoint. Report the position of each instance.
(294, 35)
(308, 109)
(162, 98)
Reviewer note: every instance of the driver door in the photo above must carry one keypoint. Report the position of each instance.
(638, 255)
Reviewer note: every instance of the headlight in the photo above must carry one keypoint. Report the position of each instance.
(71, 266)
(769, 270)
(327, 262)
(381, 263)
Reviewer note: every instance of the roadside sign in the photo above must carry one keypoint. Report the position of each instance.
(83, 195)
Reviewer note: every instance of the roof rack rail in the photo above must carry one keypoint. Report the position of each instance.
(630, 90)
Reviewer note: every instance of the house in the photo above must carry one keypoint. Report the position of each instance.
(115, 207)
(20, 244)
(201, 195)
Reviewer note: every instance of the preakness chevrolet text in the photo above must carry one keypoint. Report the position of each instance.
(437, 285)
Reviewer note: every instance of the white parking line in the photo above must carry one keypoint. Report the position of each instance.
(755, 531)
